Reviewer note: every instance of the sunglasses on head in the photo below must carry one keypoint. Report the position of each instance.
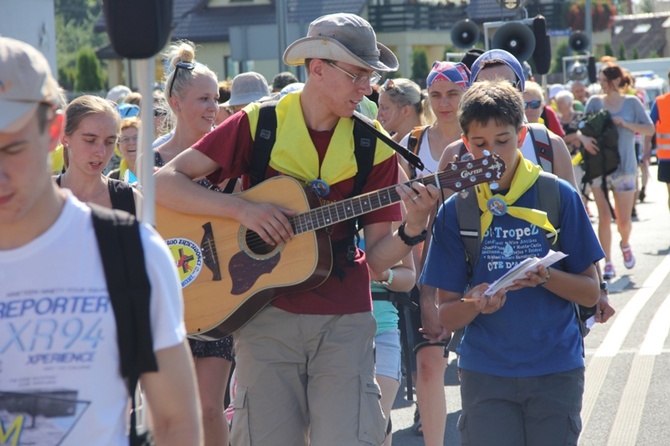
(183, 65)
(533, 104)
(388, 84)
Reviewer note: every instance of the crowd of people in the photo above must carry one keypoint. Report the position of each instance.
(321, 363)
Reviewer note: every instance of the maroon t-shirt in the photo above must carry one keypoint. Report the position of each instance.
(230, 145)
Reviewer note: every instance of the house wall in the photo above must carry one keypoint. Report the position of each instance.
(36, 27)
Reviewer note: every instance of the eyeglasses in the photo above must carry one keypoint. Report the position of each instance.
(357, 79)
(533, 104)
(184, 65)
(127, 139)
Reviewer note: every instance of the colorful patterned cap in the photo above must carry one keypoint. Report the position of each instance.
(457, 73)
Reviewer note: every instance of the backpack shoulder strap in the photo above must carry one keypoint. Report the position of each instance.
(121, 194)
(264, 140)
(120, 245)
(415, 136)
(467, 214)
(544, 151)
(549, 200)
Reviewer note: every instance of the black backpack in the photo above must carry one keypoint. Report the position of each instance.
(120, 245)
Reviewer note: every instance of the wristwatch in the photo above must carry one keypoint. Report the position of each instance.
(604, 286)
(411, 241)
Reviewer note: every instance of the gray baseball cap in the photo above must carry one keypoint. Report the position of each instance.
(25, 82)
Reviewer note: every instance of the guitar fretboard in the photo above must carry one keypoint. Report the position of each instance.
(456, 177)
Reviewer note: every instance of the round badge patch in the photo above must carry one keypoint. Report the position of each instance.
(187, 257)
(320, 187)
(497, 206)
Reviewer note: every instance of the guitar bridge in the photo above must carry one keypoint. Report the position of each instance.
(208, 247)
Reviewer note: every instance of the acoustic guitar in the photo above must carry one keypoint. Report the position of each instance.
(228, 273)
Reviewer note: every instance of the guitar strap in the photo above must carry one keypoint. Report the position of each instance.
(364, 150)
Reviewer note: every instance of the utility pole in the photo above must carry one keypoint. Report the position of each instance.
(588, 25)
(280, 8)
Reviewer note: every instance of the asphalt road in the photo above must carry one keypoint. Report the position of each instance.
(627, 395)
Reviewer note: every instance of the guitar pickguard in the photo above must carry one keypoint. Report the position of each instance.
(244, 270)
(255, 259)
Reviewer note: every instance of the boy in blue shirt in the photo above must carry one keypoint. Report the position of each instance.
(521, 357)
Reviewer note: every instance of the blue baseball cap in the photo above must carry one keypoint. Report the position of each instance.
(502, 56)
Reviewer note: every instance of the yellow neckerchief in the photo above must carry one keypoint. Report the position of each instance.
(525, 176)
(294, 153)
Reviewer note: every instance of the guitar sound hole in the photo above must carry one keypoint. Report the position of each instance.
(256, 244)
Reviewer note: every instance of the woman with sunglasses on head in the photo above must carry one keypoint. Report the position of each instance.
(630, 117)
(402, 107)
(191, 92)
(89, 140)
(445, 85)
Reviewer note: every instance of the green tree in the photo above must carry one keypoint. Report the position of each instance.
(420, 67)
(609, 50)
(622, 51)
(646, 6)
(75, 23)
(89, 74)
(636, 54)
(561, 51)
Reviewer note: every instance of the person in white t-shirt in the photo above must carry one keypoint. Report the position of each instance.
(60, 379)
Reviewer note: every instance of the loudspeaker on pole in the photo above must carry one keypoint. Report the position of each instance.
(465, 34)
(542, 52)
(138, 29)
(515, 38)
(578, 42)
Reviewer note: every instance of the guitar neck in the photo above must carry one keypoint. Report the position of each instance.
(456, 177)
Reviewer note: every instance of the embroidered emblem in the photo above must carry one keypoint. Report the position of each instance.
(188, 259)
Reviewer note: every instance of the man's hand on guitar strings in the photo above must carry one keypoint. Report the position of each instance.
(419, 201)
(269, 221)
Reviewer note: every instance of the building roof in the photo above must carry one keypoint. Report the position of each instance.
(645, 32)
(196, 21)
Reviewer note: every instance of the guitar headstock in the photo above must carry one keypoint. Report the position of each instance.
(463, 174)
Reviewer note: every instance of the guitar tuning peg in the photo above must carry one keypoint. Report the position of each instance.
(487, 153)
(464, 194)
(467, 157)
(493, 185)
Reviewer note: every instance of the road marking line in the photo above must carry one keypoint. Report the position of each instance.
(629, 413)
(596, 369)
(622, 324)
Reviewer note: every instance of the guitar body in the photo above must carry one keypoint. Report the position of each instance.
(228, 274)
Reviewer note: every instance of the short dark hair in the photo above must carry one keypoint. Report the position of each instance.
(283, 79)
(486, 100)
